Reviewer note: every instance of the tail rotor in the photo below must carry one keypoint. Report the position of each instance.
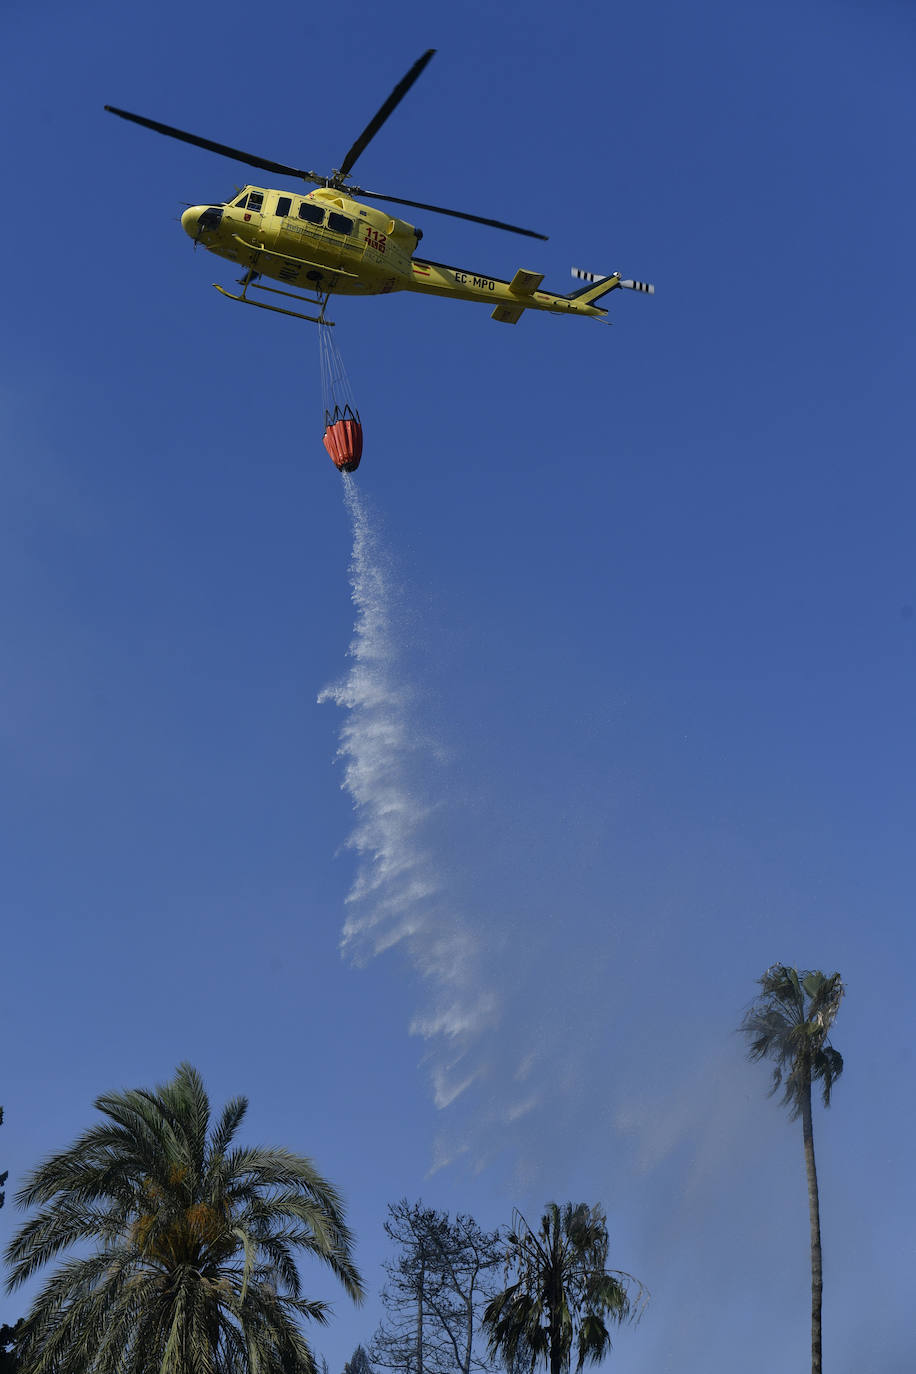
(629, 283)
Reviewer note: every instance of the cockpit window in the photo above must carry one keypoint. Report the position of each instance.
(339, 223)
(313, 214)
(255, 200)
(241, 202)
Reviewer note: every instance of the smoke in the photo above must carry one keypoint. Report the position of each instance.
(398, 897)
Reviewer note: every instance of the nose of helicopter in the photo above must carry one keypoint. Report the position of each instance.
(189, 220)
(198, 219)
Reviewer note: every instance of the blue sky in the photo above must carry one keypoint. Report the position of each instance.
(641, 659)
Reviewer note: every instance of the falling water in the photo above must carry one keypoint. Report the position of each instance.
(517, 1069)
(398, 896)
(585, 1100)
(487, 1054)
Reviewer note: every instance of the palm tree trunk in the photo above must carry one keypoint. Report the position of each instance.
(554, 1306)
(814, 1214)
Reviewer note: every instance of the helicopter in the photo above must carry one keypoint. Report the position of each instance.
(328, 242)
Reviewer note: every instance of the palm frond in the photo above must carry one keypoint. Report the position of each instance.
(789, 1024)
(230, 1119)
(563, 1294)
(195, 1271)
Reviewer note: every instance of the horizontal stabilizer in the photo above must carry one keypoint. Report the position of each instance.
(508, 314)
(525, 283)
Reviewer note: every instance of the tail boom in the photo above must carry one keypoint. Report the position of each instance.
(510, 298)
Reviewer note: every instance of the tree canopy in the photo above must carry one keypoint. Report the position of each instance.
(437, 1283)
(563, 1295)
(192, 1265)
(9, 1362)
(789, 1023)
(358, 1362)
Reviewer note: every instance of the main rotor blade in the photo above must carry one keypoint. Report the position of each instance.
(395, 98)
(264, 163)
(441, 210)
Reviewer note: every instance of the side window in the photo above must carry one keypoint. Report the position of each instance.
(255, 200)
(284, 205)
(339, 223)
(312, 213)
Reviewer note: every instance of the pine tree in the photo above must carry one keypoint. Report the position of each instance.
(443, 1274)
(358, 1362)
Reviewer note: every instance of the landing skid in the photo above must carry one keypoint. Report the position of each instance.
(248, 280)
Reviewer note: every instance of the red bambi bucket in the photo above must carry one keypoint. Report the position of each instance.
(343, 439)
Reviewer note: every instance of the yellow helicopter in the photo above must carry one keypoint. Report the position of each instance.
(327, 242)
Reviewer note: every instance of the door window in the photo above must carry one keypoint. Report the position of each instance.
(313, 214)
(339, 223)
(284, 205)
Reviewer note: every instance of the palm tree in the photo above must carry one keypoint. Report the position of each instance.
(184, 1259)
(789, 1023)
(562, 1292)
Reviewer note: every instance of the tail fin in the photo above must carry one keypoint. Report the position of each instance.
(598, 286)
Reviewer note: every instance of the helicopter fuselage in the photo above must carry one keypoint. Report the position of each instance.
(330, 244)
